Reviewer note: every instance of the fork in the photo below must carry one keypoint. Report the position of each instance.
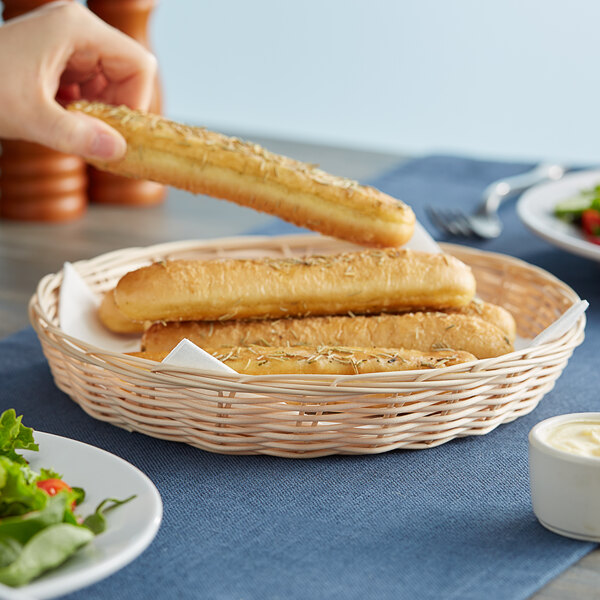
(484, 222)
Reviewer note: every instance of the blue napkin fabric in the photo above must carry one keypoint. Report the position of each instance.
(452, 522)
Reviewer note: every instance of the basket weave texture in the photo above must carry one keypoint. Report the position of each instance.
(304, 416)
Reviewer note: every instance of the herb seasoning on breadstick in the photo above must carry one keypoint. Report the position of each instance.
(492, 313)
(326, 360)
(205, 162)
(423, 331)
(369, 281)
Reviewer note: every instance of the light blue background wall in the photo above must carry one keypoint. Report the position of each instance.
(501, 78)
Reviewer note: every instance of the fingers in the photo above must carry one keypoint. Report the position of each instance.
(91, 47)
(76, 133)
(94, 87)
(129, 69)
(82, 65)
(117, 70)
(62, 52)
(67, 94)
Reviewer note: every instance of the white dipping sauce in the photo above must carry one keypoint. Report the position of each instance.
(576, 437)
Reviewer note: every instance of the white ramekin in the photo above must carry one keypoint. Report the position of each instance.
(565, 487)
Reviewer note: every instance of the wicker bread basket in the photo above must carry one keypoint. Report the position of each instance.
(303, 416)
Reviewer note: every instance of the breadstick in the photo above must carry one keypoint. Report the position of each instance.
(492, 313)
(205, 162)
(326, 360)
(116, 321)
(112, 318)
(370, 281)
(424, 331)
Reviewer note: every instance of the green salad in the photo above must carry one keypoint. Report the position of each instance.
(584, 211)
(39, 525)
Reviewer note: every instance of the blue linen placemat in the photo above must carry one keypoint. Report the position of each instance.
(452, 522)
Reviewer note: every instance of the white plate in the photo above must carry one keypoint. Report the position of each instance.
(536, 210)
(130, 527)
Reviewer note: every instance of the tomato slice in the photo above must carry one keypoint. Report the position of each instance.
(53, 486)
(590, 221)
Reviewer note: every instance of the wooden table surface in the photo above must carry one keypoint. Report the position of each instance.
(28, 251)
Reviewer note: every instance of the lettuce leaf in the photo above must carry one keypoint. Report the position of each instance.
(21, 528)
(18, 492)
(46, 550)
(96, 522)
(15, 436)
(10, 549)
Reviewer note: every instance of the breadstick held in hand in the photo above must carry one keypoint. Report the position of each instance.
(204, 162)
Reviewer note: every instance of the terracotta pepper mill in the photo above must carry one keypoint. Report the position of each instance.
(131, 17)
(36, 183)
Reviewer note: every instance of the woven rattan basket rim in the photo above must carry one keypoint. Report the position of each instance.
(305, 416)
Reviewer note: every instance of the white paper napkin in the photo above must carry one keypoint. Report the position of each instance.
(78, 315)
(561, 325)
(421, 240)
(187, 354)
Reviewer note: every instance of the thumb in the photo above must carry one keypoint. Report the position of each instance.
(77, 133)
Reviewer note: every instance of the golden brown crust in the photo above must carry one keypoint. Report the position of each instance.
(113, 319)
(424, 331)
(492, 313)
(370, 281)
(205, 162)
(117, 322)
(326, 360)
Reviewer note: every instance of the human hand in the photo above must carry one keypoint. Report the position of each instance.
(59, 53)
